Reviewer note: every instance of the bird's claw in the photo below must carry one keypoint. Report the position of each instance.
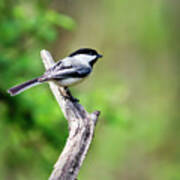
(71, 98)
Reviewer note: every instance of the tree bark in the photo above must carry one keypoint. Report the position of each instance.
(81, 129)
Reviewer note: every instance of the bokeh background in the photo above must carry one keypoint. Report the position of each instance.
(136, 87)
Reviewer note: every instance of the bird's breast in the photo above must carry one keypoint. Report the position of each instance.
(69, 81)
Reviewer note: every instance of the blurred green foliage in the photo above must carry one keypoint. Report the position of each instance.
(30, 137)
(136, 87)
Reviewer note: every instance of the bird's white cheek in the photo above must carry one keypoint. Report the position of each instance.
(84, 59)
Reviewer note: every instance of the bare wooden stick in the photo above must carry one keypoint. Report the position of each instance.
(81, 130)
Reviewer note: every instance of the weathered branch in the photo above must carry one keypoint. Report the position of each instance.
(81, 130)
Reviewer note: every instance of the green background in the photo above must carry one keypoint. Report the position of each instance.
(135, 86)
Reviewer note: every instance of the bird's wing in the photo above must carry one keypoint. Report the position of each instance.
(71, 72)
(66, 72)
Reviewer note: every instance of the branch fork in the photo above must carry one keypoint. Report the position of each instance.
(81, 130)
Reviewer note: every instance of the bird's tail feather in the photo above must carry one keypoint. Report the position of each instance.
(22, 87)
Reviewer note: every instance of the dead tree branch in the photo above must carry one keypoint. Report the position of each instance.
(81, 129)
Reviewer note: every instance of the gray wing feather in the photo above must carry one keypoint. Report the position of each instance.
(70, 73)
(66, 73)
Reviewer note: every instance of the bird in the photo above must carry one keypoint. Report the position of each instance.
(66, 72)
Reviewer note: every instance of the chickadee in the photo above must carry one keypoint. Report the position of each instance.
(66, 72)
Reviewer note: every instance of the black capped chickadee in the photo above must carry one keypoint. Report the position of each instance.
(66, 72)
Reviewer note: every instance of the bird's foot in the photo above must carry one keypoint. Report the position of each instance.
(71, 98)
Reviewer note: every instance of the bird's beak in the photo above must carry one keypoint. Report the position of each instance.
(100, 56)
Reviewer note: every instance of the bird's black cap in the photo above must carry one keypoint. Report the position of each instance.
(87, 51)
